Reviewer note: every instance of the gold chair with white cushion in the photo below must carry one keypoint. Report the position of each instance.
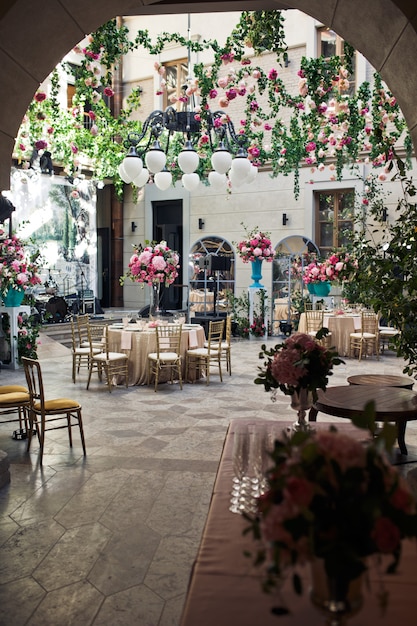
(386, 333)
(167, 355)
(203, 358)
(365, 341)
(80, 354)
(226, 345)
(113, 363)
(314, 323)
(46, 414)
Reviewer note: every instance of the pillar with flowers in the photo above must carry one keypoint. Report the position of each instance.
(255, 249)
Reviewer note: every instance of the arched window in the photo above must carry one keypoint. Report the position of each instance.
(211, 273)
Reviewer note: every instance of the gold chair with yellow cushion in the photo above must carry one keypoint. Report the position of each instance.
(14, 398)
(167, 355)
(53, 414)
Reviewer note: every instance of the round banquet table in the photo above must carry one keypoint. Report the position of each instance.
(340, 326)
(139, 343)
(392, 404)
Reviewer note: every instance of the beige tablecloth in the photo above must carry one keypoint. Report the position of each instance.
(138, 344)
(340, 326)
(225, 588)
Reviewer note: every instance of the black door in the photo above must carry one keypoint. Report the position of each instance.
(103, 266)
(167, 226)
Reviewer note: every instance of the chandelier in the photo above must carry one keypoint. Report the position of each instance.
(229, 158)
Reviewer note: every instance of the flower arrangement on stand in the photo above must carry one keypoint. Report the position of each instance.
(256, 246)
(19, 270)
(340, 266)
(331, 500)
(153, 264)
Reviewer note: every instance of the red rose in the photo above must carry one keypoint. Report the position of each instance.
(386, 535)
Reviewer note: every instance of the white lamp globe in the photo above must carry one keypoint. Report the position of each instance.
(221, 159)
(190, 181)
(132, 165)
(155, 159)
(236, 180)
(163, 180)
(142, 179)
(241, 167)
(217, 181)
(188, 159)
(253, 172)
(123, 175)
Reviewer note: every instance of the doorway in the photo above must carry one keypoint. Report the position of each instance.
(167, 219)
(103, 266)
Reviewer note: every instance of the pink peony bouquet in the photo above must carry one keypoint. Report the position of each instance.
(338, 266)
(154, 263)
(18, 269)
(331, 497)
(298, 363)
(256, 246)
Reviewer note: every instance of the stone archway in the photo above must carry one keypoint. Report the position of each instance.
(31, 44)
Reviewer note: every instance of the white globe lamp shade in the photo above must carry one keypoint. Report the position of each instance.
(241, 167)
(163, 180)
(190, 181)
(123, 175)
(253, 172)
(188, 159)
(155, 158)
(217, 181)
(142, 179)
(221, 159)
(236, 180)
(132, 165)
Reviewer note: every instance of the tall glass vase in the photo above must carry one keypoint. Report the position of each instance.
(337, 598)
(154, 310)
(301, 401)
(257, 274)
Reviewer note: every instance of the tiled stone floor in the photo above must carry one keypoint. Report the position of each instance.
(110, 539)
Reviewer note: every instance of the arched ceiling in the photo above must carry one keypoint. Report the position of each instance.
(35, 37)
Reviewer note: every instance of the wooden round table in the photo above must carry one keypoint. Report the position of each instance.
(392, 404)
(382, 380)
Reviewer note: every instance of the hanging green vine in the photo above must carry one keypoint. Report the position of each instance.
(320, 126)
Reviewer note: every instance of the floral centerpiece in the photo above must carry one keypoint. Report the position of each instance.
(298, 363)
(18, 269)
(339, 266)
(315, 272)
(153, 263)
(256, 247)
(330, 500)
